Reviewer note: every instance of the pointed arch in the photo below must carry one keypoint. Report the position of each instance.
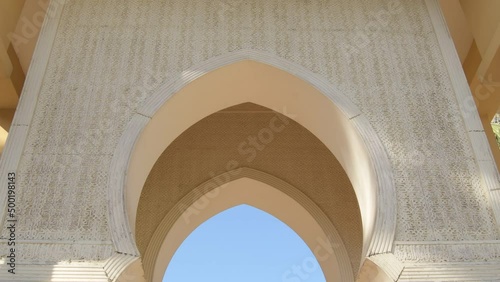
(259, 190)
(270, 81)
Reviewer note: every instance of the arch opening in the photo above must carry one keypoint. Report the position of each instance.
(295, 210)
(243, 243)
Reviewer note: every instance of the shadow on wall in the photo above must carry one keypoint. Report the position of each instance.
(5, 122)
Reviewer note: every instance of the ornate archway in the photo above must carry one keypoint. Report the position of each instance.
(250, 76)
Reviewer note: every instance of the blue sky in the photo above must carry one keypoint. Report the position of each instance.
(243, 244)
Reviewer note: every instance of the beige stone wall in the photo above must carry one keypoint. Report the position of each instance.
(109, 56)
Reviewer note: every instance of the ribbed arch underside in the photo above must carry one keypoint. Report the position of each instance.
(248, 135)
